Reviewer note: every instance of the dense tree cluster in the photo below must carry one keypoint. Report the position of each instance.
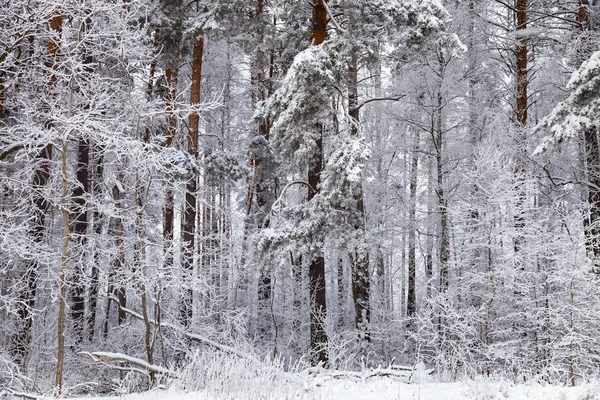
(348, 182)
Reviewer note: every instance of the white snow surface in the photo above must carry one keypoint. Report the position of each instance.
(383, 388)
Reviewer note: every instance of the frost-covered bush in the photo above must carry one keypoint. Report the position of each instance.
(226, 376)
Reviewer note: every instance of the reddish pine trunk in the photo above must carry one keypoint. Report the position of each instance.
(318, 336)
(80, 224)
(359, 258)
(189, 217)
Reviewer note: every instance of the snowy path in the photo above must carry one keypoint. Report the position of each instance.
(388, 389)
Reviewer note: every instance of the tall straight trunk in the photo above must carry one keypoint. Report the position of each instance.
(80, 211)
(53, 46)
(411, 302)
(429, 241)
(60, 358)
(150, 83)
(117, 276)
(359, 257)
(169, 206)
(189, 215)
(342, 294)
(473, 81)
(2, 94)
(298, 299)
(79, 230)
(441, 195)
(119, 266)
(316, 271)
(98, 222)
(149, 338)
(36, 230)
(522, 54)
(260, 191)
(171, 34)
(522, 102)
(592, 161)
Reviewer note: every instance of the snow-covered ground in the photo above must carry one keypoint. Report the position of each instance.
(382, 388)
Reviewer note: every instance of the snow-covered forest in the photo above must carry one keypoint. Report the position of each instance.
(286, 185)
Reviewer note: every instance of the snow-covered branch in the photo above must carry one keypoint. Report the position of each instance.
(100, 356)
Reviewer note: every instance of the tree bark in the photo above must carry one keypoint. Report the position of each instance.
(190, 208)
(171, 34)
(441, 195)
(41, 178)
(98, 223)
(411, 302)
(79, 229)
(80, 211)
(318, 336)
(522, 103)
(36, 232)
(359, 257)
(592, 160)
(60, 359)
(120, 244)
(522, 59)
(261, 191)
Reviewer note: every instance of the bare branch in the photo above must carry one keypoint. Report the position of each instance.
(364, 102)
(99, 356)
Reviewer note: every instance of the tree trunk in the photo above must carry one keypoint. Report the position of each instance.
(117, 276)
(120, 275)
(80, 213)
(592, 160)
(171, 41)
(411, 302)
(261, 191)
(359, 258)
(79, 230)
(141, 199)
(441, 195)
(36, 232)
(316, 271)
(522, 58)
(98, 222)
(60, 359)
(522, 102)
(189, 216)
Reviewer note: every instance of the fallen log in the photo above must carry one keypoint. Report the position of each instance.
(192, 336)
(102, 356)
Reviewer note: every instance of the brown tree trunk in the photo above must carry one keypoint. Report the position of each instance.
(98, 223)
(189, 216)
(79, 230)
(522, 58)
(360, 256)
(36, 232)
(592, 160)
(53, 48)
(169, 206)
(120, 259)
(171, 34)
(80, 214)
(318, 336)
(60, 358)
(411, 302)
(117, 277)
(442, 201)
(150, 84)
(141, 199)
(522, 102)
(260, 191)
